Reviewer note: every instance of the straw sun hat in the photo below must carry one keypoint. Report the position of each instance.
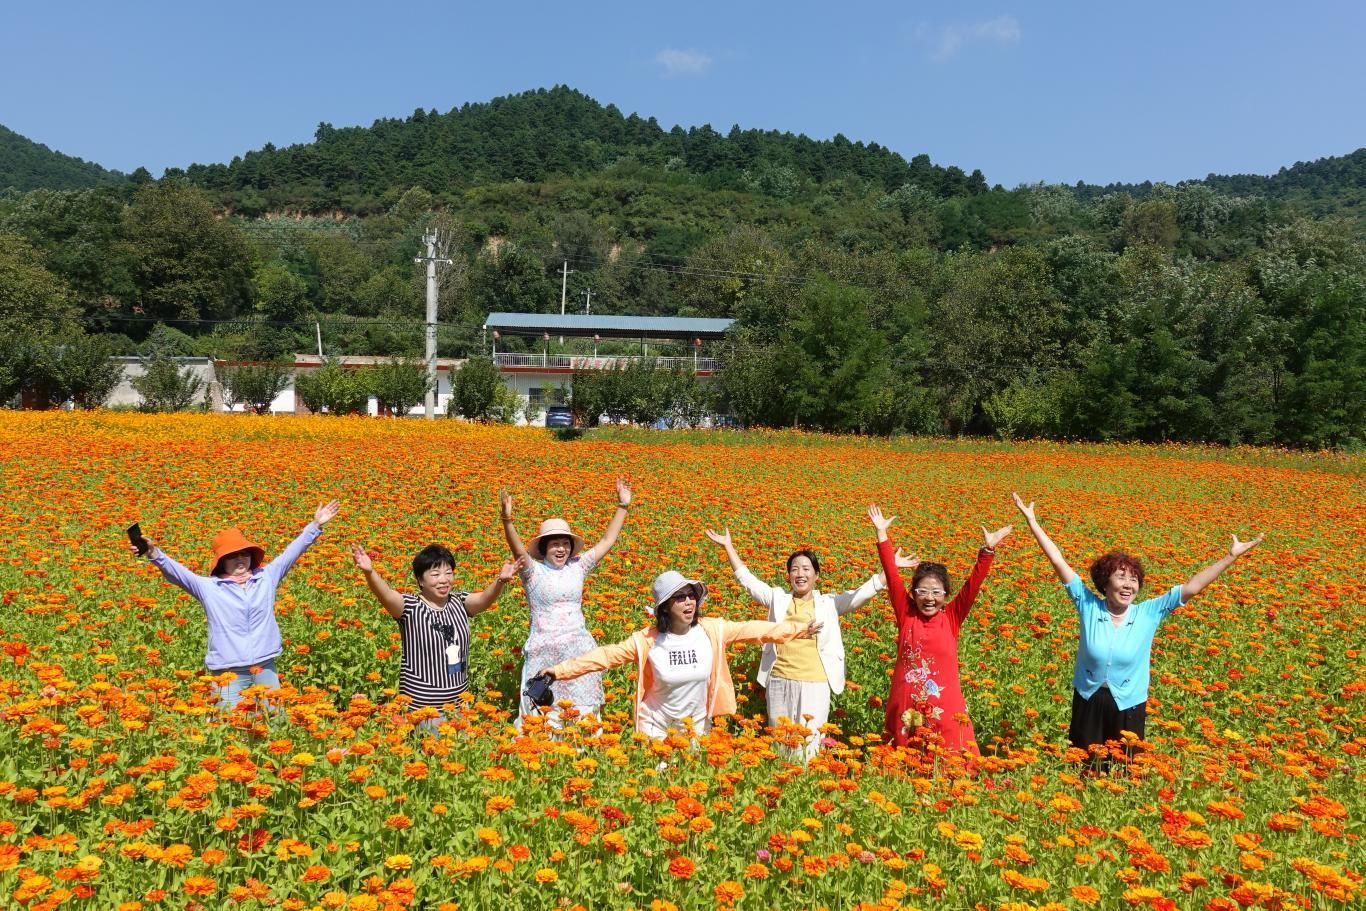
(554, 528)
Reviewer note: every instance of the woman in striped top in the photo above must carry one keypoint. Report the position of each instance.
(433, 625)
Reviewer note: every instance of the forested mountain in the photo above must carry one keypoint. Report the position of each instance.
(1327, 186)
(870, 293)
(27, 165)
(535, 136)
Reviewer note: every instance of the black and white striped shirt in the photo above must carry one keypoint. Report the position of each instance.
(425, 634)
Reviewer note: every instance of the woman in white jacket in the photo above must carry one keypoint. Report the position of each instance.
(799, 676)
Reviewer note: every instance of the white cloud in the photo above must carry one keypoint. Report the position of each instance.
(948, 40)
(683, 63)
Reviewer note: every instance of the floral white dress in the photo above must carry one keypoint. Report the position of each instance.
(558, 630)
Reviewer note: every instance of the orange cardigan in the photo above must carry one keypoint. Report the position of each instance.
(720, 687)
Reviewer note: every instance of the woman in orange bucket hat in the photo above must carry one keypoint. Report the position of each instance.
(238, 596)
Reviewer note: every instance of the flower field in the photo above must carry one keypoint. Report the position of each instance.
(121, 788)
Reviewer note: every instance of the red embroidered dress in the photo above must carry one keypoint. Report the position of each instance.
(926, 695)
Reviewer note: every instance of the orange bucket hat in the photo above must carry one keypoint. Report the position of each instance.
(230, 541)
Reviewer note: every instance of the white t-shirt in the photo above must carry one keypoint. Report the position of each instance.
(681, 666)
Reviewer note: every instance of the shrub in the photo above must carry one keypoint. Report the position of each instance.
(474, 389)
(399, 384)
(255, 385)
(165, 387)
(333, 389)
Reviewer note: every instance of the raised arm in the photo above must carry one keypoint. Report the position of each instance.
(896, 587)
(479, 602)
(609, 537)
(389, 599)
(855, 598)
(1050, 550)
(962, 602)
(173, 572)
(757, 588)
(509, 530)
(282, 564)
(1200, 580)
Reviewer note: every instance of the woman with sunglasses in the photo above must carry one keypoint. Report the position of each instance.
(682, 677)
(926, 704)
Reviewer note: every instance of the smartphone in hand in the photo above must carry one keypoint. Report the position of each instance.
(137, 540)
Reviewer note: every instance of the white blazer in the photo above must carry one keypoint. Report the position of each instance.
(828, 609)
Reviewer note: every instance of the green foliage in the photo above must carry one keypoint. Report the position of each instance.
(333, 389)
(474, 389)
(399, 384)
(85, 372)
(254, 385)
(28, 165)
(30, 295)
(164, 386)
(186, 262)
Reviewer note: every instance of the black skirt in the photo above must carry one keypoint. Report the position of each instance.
(1099, 719)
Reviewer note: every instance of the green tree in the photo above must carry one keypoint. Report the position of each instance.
(281, 296)
(187, 263)
(474, 388)
(255, 386)
(399, 384)
(333, 389)
(30, 295)
(837, 361)
(165, 387)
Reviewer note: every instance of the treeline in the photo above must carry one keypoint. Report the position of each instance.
(28, 165)
(871, 294)
(534, 136)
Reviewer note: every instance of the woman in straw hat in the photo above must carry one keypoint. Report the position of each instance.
(681, 672)
(238, 596)
(553, 579)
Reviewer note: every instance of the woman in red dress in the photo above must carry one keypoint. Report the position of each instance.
(926, 703)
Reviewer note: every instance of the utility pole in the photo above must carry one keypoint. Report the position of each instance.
(588, 301)
(564, 290)
(431, 259)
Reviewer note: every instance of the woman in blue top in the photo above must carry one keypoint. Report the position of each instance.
(238, 596)
(1110, 682)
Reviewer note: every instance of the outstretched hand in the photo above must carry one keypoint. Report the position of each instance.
(623, 491)
(993, 538)
(906, 561)
(1026, 510)
(511, 568)
(812, 630)
(1238, 548)
(505, 505)
(880, 522)
(363, 561)
(326, 512)
(722, 537)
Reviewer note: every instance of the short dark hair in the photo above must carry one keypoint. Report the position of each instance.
(810, 555)
(1111, 563)
(662, 610)
(937, 570)
(431, 556)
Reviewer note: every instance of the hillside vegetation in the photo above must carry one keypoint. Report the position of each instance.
(871, 293)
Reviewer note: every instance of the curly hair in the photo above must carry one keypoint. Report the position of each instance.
(937, 570)
(1111, 563)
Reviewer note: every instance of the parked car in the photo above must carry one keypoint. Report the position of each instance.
(559, 416)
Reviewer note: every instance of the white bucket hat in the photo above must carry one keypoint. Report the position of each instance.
(670, 583)
(554, 528)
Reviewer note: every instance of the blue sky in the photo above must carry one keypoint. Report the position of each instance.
(1026, 91)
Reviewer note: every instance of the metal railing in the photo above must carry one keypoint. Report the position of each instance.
(606, 362)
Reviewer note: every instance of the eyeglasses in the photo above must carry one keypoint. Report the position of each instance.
(929, 592)
(688, 595)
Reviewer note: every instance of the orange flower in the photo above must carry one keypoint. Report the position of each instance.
(682, 867)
